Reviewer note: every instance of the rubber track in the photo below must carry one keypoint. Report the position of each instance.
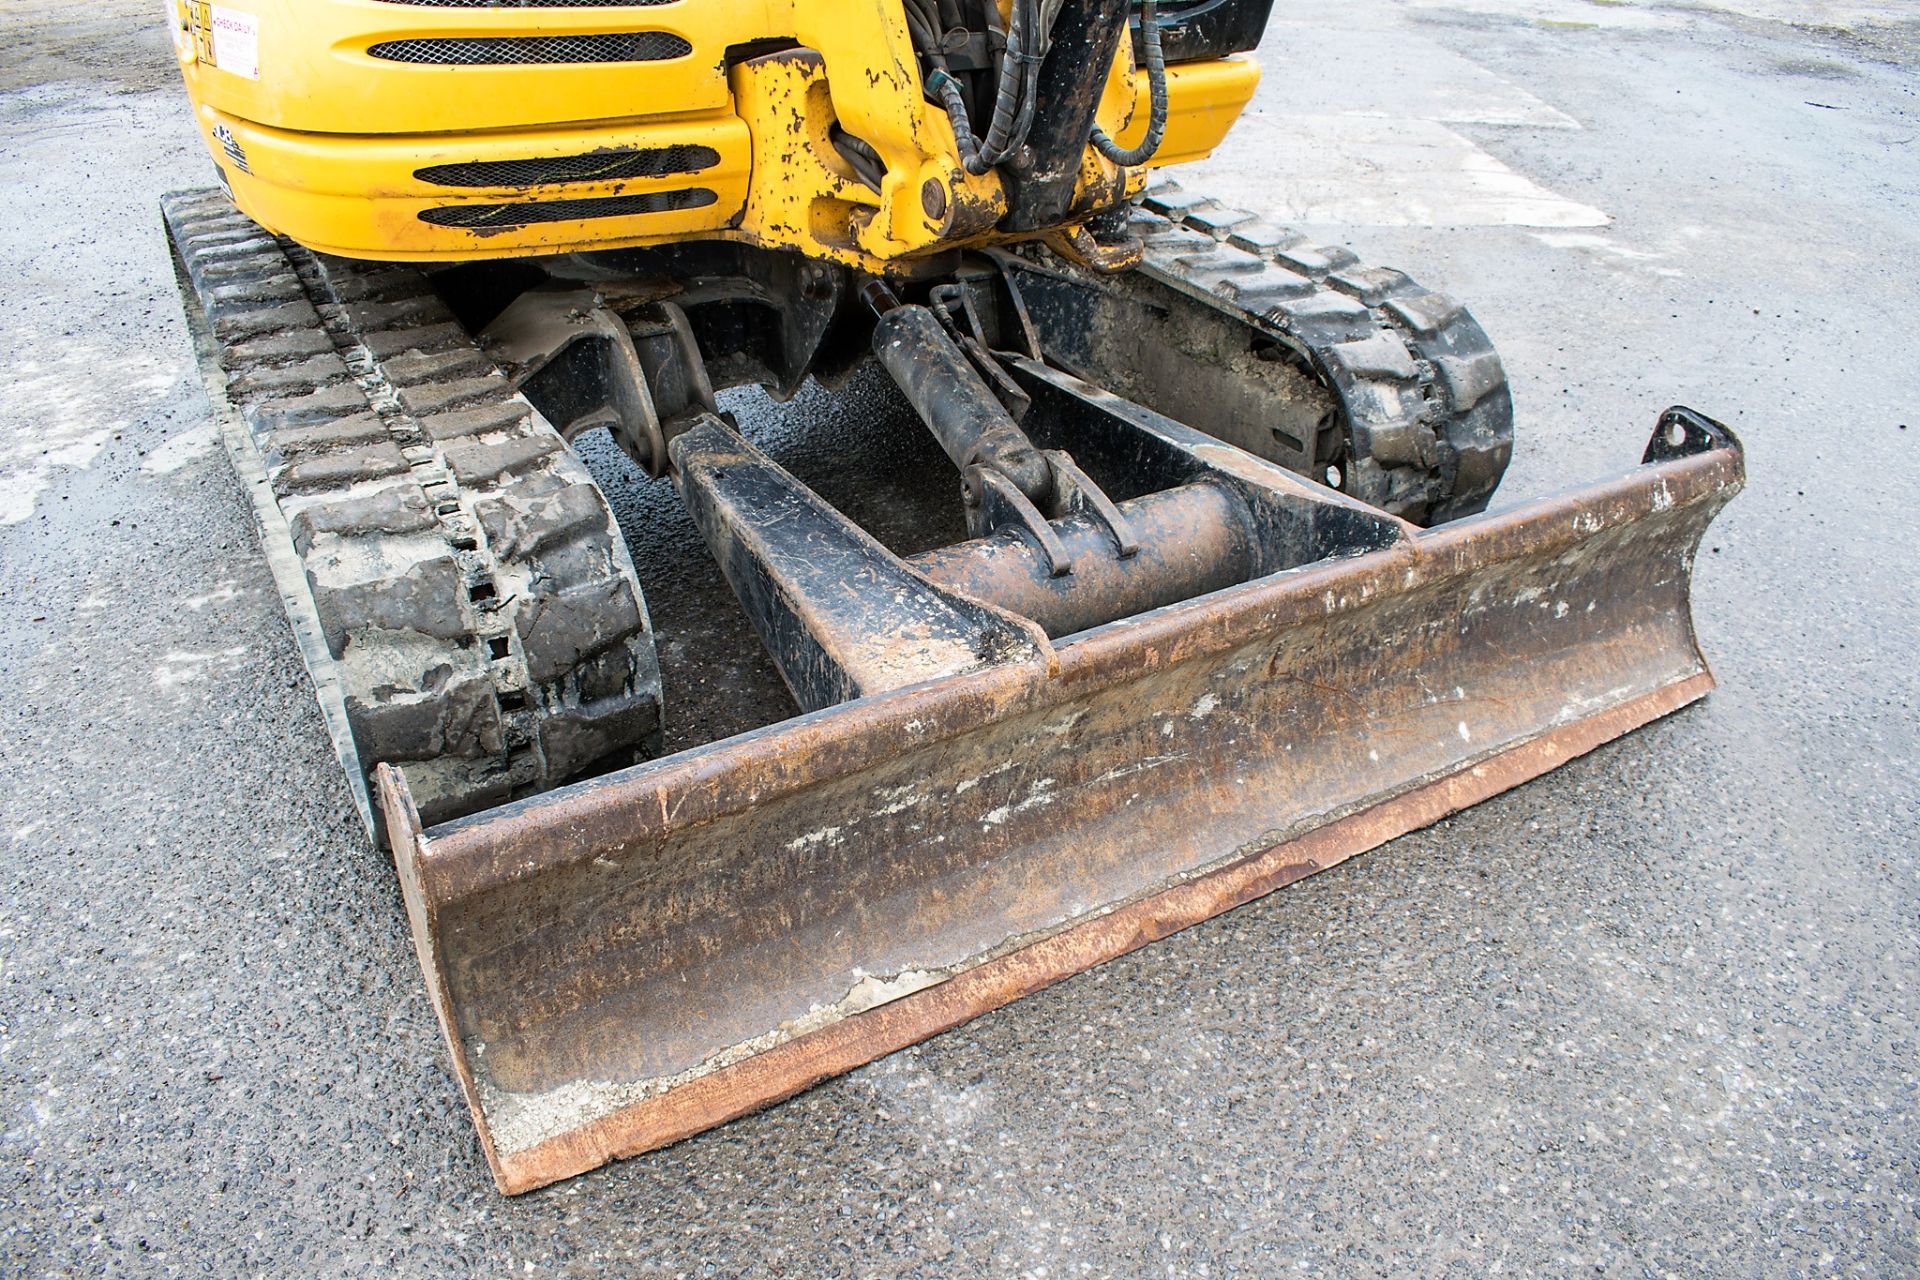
(1426, 400)
(487, 631)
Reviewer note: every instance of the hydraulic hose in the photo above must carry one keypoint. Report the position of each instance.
(1017, 96)
(1156, 94)
(1016, 66)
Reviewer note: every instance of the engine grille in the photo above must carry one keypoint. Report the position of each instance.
(604, 166)
(479, 217)
(485, 51)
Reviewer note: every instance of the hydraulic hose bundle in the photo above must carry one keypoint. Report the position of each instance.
(1028, 36)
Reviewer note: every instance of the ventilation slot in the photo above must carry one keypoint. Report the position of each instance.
(480, 217)
(495, 51)
(604, 166)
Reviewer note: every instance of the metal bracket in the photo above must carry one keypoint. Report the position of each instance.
(1681, 433)
(1078, 246)
(994, 502)
(1004, 263)
(1074, 491)
(584, 366)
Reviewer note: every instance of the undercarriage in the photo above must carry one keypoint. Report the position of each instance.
(1224, 611)
(411, 430)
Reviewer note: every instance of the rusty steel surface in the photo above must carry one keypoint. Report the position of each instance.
(629, 960)
(1192, 540)
(841, 617)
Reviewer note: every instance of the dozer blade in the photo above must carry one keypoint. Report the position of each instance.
(627, 961)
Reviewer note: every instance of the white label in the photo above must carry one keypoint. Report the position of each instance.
(236, 40)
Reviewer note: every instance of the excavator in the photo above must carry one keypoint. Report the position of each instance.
(1218, 601)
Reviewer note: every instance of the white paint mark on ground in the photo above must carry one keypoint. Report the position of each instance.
(922, 1100)
(1610, 251)
(1590, 241)
(1661, 15)
(63, 413)
(219, 595)
(1367, 171)
(1316, 65)
(1350, 127)
(179, 451)
(181, 668)
(1568, 13)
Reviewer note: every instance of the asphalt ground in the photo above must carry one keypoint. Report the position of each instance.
(1653, 1015)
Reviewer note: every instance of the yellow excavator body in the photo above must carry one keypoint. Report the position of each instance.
(412, 132)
